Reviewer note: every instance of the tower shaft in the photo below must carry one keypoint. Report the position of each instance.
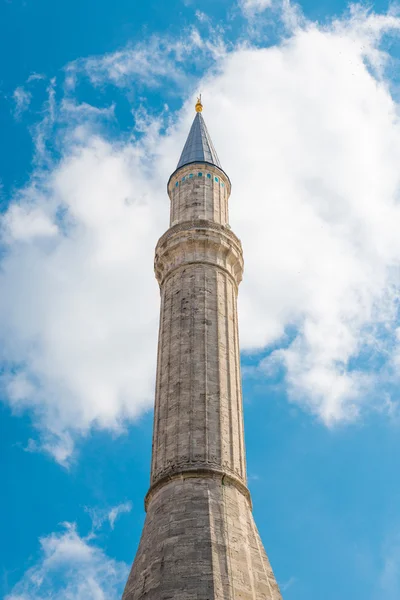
(199, 540)
(198, 409)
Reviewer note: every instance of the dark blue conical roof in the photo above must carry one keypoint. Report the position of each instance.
(199, 147)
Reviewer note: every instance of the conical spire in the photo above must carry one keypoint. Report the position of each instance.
(199, 147)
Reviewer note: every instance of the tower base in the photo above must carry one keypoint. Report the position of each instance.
(200, 542)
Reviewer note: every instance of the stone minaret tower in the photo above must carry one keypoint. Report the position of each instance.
(199, 540)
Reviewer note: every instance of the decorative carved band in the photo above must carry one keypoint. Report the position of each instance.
(202, 473)
(188, 263)
(199, 224)
(198, 242)
(184, 464)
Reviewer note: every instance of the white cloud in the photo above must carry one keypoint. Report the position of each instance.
(320, 176)
(154, 63)
(202, 17)
(311, 140)
(288, 584)
(28, 223)
(80, 316)
(100, 516)
(36, 77)
(86, 110)
(22, 99)
(43, 130)
(71, 568)
(251, 8)
(117, 511)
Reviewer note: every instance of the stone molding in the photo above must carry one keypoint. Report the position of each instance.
(199, 473)
(185, 464)
(199, 241)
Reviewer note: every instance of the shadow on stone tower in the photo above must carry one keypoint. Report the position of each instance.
(199, 541)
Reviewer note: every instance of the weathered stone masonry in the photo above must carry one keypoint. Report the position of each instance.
(199, 540)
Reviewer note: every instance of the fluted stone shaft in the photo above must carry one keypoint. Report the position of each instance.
(199, 541)
(198, 408)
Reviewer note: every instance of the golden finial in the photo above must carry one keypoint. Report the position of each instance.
(199, 106)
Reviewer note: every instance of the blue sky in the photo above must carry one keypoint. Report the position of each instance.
(301, 100)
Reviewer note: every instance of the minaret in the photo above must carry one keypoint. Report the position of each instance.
(199, 540)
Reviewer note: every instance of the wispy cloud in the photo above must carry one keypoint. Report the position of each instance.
(287, 584)
(251, 8)
(154, 63)
(110, 515)
(22, 99)
(115, 512)
(70, 566)
(36, 77)
(254, 477)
